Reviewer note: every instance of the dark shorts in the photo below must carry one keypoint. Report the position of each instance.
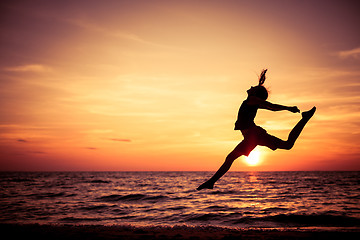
(258, 136)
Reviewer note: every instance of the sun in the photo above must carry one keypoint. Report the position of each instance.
(254, 158)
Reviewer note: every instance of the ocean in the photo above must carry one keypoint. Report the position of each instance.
(300, 200)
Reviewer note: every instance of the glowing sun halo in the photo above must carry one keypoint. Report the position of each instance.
(254, 158)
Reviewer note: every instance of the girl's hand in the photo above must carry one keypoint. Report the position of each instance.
(294, 109)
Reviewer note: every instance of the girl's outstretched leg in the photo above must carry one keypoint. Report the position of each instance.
(242, 148)
(295, 132)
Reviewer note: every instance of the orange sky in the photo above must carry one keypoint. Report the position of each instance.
(156, 85)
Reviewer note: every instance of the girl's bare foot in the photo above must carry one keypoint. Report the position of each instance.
(308, 114)
(206, 185)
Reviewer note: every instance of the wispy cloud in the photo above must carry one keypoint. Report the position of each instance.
(120, 140)
(37, 152)
(39, 68)
(353, 53)
(114, 33)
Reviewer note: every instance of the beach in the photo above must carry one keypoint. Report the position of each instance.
(37, 231)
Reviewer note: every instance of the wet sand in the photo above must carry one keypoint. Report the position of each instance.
(53, 232)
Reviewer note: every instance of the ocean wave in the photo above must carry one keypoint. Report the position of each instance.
(217, 208)
(94, 207)
(98, 181)
(50, 195)
(131, 197)
(275, 209)
(204, 217)
(176, 208)
(20, 180)
(78, 219)
(219, 192)
(156, 198)
(116, 197)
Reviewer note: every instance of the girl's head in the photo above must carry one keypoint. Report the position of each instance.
(259, 91)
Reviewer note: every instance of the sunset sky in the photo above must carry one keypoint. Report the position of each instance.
(156, 85)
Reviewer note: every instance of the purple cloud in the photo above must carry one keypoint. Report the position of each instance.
(91, 148)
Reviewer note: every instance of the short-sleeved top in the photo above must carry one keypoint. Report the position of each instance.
(246, 116)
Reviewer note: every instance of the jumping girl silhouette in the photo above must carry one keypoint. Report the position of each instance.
(255, 135)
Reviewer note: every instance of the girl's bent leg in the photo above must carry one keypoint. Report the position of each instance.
(295, 132)
(243, 148)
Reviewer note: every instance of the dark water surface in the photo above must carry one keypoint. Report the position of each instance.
(240, 199)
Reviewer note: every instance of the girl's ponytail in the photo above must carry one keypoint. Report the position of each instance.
(262, 77)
